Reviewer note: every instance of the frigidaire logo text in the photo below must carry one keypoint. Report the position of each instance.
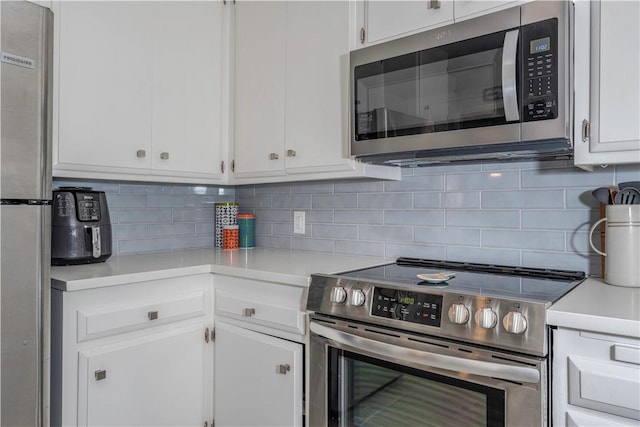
(441, 35)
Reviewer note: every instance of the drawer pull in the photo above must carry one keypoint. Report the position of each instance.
(152, 315)
(283, 369)
(248, 312)
(100, 374)
(624, 353)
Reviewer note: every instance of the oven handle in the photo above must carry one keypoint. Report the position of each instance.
(509, 88)
(430, 360)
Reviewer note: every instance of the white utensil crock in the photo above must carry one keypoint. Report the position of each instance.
(622, 243)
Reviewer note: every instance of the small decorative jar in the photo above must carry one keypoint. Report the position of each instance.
(247, 225)
(230, 237)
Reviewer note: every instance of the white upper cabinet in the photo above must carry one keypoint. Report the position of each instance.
(260, 41)
(383, 20)
(607, 68)
(138, 88)
(291, 93)
(466, 9)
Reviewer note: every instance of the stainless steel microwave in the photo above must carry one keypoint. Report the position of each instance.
(494, 87)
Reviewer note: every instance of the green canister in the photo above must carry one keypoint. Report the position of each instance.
(247, 224)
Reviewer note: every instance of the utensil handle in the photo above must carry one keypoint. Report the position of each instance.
(593, 228)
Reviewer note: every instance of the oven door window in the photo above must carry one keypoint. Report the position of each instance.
(456, 86)
(369, 392)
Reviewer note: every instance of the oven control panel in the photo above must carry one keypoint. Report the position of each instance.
(425, 309)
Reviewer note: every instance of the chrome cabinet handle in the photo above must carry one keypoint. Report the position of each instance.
(152, 315)
(434, 4)
(291, 153)
(248, 312)
(100, 374)
(283, 369)
(164, 155)
(141, 153)
(273, 156)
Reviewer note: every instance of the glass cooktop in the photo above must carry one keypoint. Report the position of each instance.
(478, 279)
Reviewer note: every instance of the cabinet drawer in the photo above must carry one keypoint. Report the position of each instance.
(256, 312)
(605, 386)
(261, 303)
(96, 322)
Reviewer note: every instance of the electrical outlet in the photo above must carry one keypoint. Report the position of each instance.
(298, 222)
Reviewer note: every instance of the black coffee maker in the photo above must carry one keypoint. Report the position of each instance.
(80, 226)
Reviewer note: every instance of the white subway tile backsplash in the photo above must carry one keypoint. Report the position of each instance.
(362, 216)
(416, 183)
(483, 218)
(523, 199)
(414, 217)
(148, 217)
(447, 236)
(335, 231)
(482, 181)
(461, 200)
(385, 233)
(396, 250)
(522, 239)
(385, 201)
(355, 247)
(516, 213)
(334, 201)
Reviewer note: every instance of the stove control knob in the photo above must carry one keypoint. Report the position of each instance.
(458, 314)
(338, 295)
(486, 318)
(357, 297)
(515, 322)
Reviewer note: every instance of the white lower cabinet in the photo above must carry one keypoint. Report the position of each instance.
(595, 379)
(258, 378)
(138, 354)
(259, 345)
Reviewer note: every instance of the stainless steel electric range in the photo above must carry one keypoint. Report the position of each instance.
(432, 343)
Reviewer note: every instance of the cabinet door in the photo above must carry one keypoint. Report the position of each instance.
(250, 387)
(105, 84)
(187, 83)
(159, 380)
(384, 20)
(612, 80)
(259, 87)
(615, 83)
(317, 61)
(465, 9)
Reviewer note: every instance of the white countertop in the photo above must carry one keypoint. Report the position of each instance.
(595, 306)
(282, 266)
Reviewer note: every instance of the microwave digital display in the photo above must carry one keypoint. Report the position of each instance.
(540, 45)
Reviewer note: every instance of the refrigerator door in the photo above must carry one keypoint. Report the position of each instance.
(25, 95)
(24, 314)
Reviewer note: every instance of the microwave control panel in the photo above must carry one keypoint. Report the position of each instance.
(540, 70)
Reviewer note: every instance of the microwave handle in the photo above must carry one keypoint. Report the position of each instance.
(427, 359)
(509, 78)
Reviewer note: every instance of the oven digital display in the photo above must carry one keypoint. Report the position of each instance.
(407, 306)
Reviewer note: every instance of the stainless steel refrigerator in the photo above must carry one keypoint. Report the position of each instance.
(25, 212)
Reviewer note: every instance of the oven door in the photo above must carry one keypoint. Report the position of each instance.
(360, 375)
